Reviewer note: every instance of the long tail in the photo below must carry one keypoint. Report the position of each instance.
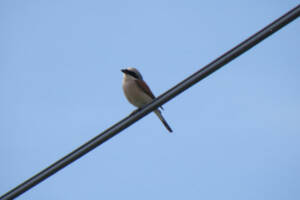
(158, 113)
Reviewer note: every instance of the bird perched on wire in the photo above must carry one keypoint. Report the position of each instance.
(138, 93)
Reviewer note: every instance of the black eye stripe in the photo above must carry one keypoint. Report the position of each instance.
(131, 73)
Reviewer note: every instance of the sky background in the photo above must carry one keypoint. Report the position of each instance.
(236, 133)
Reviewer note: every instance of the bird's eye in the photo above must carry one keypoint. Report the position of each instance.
(133, 74)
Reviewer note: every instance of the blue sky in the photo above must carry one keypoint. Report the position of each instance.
(236, 133)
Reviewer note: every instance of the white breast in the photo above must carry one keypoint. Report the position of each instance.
(134, 94)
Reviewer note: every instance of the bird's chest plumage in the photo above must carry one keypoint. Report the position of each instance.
(134, 94)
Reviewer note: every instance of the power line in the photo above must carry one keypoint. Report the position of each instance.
(171, 93)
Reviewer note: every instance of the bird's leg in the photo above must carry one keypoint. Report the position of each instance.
(135, 111)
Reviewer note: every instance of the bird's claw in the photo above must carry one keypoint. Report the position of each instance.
(135, 111)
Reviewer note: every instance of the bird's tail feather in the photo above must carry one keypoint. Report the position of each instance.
(159, 115)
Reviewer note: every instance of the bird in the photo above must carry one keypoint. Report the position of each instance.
(138, 92)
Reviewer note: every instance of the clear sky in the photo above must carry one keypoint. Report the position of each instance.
(236, 133)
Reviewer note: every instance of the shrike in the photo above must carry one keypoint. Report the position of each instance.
(138, 93)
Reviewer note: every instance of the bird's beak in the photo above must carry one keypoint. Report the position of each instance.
(124, 71)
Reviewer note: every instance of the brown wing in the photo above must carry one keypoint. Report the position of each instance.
(144, 87)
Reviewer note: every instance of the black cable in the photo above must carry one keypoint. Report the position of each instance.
(179, 88)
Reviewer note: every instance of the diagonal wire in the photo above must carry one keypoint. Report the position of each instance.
(171, 93)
